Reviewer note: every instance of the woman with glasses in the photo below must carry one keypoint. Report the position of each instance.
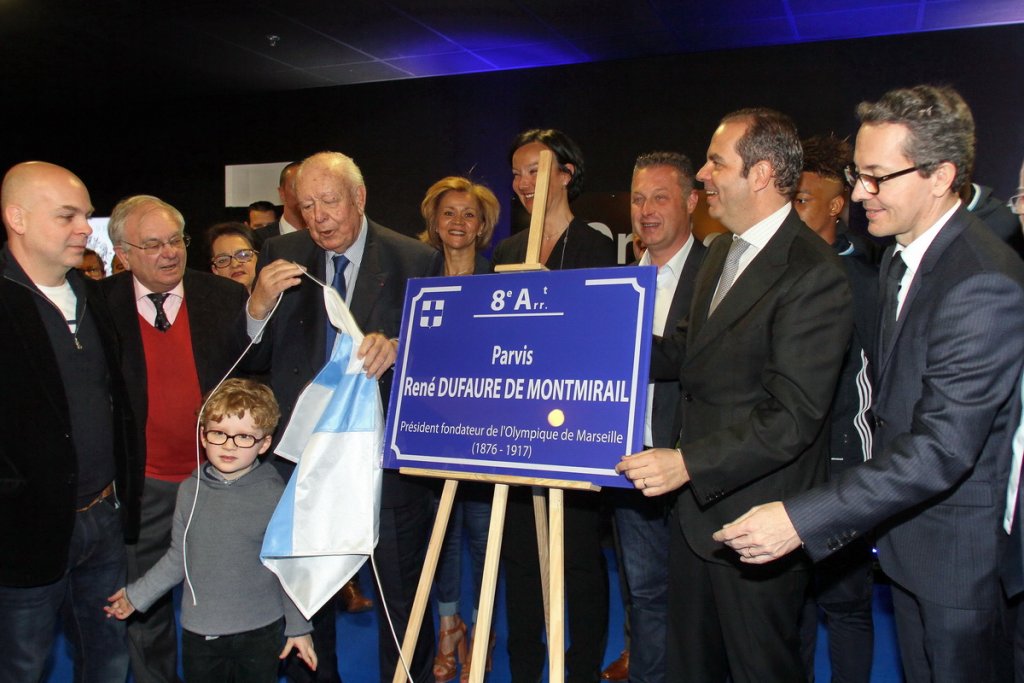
(232, 254)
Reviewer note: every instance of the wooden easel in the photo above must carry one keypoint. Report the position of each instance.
(550, 518)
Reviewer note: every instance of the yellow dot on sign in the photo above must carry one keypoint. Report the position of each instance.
(556, 418)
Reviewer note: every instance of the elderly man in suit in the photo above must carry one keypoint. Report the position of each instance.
(951, 342)
(757, 361)
(369, 265)
(70, 479)
(662, 200)
(180, 337)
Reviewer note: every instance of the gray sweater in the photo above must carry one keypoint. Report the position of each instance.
(234, 592)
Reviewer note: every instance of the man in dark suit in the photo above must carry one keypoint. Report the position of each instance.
(70, 478)
(181, 335)
(951, 342)
(369, 265)
(662, 200)
(757, 361)
(291, 217)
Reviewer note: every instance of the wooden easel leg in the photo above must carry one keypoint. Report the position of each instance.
(556, 620)
(540, 513)
(485, 607)
(419, 605)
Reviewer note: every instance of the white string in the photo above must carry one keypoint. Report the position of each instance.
(195, 499)
(199, 462)
(184, 555)
(391, 624)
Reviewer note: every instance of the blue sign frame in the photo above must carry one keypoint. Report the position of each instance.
(535, 374)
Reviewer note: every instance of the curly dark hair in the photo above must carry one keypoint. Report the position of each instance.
(827, 156)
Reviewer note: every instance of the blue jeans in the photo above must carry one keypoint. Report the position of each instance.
(28, 616)
(472, 512)
(644, 538)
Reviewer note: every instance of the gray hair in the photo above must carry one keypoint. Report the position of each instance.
(340, 165)
(940, 124)
(126, 207)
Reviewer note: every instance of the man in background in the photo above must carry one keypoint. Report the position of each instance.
(291, 217)
(662, 201)
(261, 214)
(842, 584)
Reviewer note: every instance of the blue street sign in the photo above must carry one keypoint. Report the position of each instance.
(535, 374)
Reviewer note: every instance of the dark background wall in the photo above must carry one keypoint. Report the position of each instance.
(407, 134)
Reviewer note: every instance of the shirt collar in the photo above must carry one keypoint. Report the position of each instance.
(142, 291)
(914, 252)
(354, 253)
(286, 227)
(759, 234)
(675, 264)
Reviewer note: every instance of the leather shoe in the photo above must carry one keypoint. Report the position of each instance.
(353, 599)
(617, 670)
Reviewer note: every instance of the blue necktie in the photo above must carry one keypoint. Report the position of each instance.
(338, 283)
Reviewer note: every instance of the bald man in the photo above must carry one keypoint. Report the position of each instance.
(69, 475)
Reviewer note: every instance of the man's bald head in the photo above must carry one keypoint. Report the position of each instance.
(45, 209)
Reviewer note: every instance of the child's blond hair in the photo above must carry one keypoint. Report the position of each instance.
(240, 397)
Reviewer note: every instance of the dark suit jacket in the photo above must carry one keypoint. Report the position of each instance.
(214, 307)
(936, 485)
(580, 247)
(665, 423)
(292, 347)
(757, 379)
(263, 234)
(38, 465)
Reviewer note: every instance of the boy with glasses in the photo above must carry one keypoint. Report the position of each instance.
(236, 619)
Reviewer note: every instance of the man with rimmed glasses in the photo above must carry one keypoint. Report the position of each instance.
(947, 363)
(180, 337)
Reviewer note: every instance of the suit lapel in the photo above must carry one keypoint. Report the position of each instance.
(752, 284)
(313, 302)
(687, 283)
(947, 234)
(370, 281)
(707, 279)
(125, 312)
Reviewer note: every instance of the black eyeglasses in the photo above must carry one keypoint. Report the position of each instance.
(870, 183)
(154, 246)
(1016, 203)
(242, 256)
(240, 440)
